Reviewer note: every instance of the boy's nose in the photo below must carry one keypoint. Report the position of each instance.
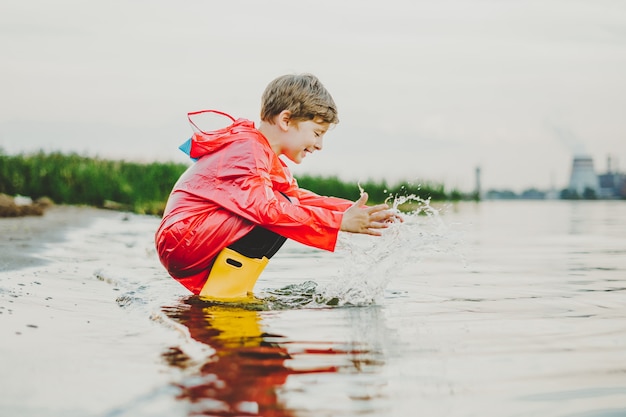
(319, 144)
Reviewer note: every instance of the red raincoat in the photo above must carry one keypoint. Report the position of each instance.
(234, 186)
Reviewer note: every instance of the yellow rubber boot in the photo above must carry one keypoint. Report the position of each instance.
(233, 275)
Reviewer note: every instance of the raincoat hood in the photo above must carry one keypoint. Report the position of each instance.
(203, 143)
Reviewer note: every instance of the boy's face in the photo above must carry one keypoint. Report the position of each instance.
(303, 137)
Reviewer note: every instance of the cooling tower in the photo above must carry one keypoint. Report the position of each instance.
(583, 176)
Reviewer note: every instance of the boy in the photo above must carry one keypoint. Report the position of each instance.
(234, 208)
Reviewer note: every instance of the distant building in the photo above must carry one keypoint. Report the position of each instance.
(584, 184)
(583, 180)
(612, 184)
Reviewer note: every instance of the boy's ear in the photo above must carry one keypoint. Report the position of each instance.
(283, 119)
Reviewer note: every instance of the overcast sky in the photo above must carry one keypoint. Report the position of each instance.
(426, 90)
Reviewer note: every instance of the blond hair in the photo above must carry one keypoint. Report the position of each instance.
(302, 95)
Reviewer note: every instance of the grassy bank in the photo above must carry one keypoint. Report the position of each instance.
(144, 187)
(378, 191)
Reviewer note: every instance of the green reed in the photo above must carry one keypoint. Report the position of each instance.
(378, 191)
(144, 187)
(74, 179)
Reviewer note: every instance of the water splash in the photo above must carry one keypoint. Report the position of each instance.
(369, 264)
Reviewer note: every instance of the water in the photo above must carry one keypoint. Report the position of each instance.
(513, 308)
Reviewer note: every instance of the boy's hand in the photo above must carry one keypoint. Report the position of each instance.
(367, 220)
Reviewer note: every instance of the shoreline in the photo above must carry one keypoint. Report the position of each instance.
(25, 236)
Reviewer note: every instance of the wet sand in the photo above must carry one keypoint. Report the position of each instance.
(66, 346)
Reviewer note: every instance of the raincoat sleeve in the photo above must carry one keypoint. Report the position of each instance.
(309, 198)
(241, 183)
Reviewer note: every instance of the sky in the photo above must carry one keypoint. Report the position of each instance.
(427, 91)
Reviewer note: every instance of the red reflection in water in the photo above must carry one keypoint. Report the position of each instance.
(248, 367)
